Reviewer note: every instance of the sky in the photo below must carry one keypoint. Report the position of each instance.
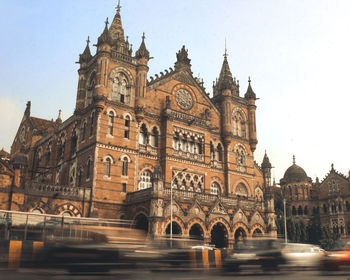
(296, 53)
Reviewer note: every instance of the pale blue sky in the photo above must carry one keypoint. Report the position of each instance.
(296, 52)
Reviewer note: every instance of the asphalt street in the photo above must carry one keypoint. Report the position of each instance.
(27, 274)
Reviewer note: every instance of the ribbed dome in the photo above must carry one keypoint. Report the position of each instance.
(295, 174)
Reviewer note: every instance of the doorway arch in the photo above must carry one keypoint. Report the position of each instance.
(240, 234)
(219, 235)
(141, 222)
(196, 232)
(176, 229)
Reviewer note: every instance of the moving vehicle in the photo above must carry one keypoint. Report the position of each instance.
(266, 253)
(303, 255)
(338, 257)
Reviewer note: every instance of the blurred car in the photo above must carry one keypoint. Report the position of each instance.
(338, 257)
(262, 252)
(306, 255)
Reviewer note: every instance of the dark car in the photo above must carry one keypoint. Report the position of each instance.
(265, 253)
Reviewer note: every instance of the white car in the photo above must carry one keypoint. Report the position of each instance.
(306, 255)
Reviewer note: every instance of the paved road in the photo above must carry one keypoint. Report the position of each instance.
(26, 274)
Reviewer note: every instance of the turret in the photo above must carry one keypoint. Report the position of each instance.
(251, 97)
(266, 168)
(142, 58)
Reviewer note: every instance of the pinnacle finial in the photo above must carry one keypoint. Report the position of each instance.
(118, 7)
(88, 40)
(293, 159)
(249, 80)
(225, 54)
(143, 36)
(106, 22)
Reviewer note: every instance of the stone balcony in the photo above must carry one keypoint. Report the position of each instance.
(187, 196)
(43, 189)
(188, 155)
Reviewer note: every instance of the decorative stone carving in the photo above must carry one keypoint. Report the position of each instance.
(184, 99)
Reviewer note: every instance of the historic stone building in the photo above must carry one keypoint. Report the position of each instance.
(133, 137)
(327, 202)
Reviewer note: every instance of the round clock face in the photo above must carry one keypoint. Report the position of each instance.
(184, 99)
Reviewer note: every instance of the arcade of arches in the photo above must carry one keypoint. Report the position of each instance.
(220, 234)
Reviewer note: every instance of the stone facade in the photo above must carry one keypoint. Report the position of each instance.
(132, 137)
(326, 202)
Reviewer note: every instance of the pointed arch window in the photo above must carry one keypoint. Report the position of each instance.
(143, 135)
(88, 167)
(215, 188)
(218, 152)
(154, 137)
(74, 141)
(79, 177)
(92, 122)
(83, 131)
(120, 89)
(145, 180)
(125, 167)
(211, 151)
(108, 165)
(110, 122)
(127, 127)
(241, 190)
(90, 90)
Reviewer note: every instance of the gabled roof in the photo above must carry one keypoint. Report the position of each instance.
(42, 124)
(4, 154)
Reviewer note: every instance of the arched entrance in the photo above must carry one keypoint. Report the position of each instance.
(219, 236)
(196, 232)
(257, 232)
(176, 229)
(240, 234)
(141, 222)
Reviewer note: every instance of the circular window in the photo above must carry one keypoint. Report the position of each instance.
(184, 99)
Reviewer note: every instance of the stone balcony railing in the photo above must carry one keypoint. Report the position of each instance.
(186, 196)
(148, 149)
(57, 190)
(188, 155)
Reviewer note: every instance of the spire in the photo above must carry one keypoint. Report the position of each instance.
(86, 55)
(225, 79)
(104, 37)
(116, 28)
(266, 162)
(182, 59)
(250, 94)
(142, 51)
(293, 159)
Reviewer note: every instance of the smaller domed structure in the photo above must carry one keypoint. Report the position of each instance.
(295, 174)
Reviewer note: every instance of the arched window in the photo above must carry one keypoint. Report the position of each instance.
(294, 211)
(340, 208)
(143, 135)
(48, 153)
(125, 167)
(239, 125)
(306, 211)
(120, 89)
(110, 122)
(127, 127)
(241, 157)
(325, 209)
(241, 190)
(211, 151)
(300, 210)
(215, 188)
(79, 177)
(145, 181)
(108, 164)
(74, 141)
(218, 153)
(347, 205)
(176, 142)
(90, 90)
(88, 167)
(61, 147)
(83, 131)
(154, 137)
(92, 121)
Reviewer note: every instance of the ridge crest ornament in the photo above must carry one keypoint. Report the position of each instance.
(184, 99)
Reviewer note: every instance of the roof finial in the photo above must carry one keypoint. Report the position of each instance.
(118, 7)
(225, 54)
(88, 40)
(143, 36)
(106, 22)
(249, 80)
(293, 159)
